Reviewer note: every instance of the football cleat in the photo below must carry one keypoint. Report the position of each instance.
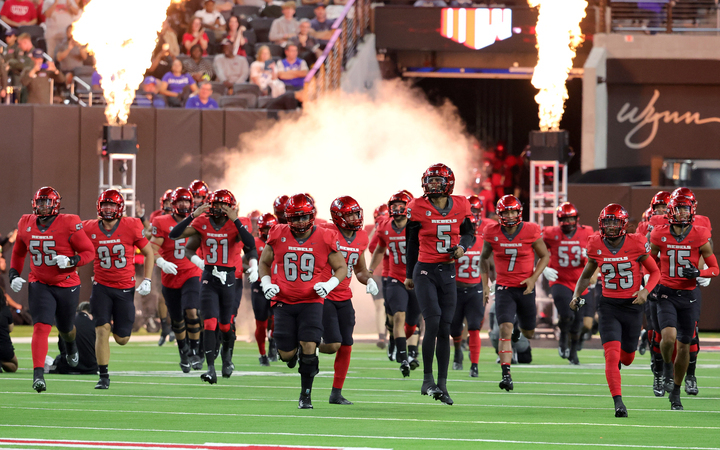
(658, 386)
(642, 348)
(391, 350)
(39, 380)
(506, 383)
(621, 411)
(675, 403)
(305, 402)
(573, 359)
(473, 370)
(171, 337)
(185, 362)
(414, 363)
(227, 364)
(72, 357)
(563, 349)
(103, 383)
(668, 383)
(429, 388)
(515, 334)
(264, 361)
(691, 387)
(445, 397)
(458, 361)
(405, 369)
(272, 350)
(338, 399)
(197, 360)
(210, 376)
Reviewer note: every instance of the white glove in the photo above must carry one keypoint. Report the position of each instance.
(371, 287)
(222, 276)
(491, 287)
(166, 266)
(17, 284)
(324, 288)
(550, 274)
(145, 287)
(63, 262)
(252, 271)
(646, 277)
(269, 289)
(198, 261)
(702, 281)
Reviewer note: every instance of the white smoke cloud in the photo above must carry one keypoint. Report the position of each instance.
(349, 145)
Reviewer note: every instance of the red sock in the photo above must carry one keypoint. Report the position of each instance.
(674, 352)
(260, 331)
(626, 358)
(612, 372)
(694, 348)
(409, 330)
(39, 345)
(342, 364)
(474, 344)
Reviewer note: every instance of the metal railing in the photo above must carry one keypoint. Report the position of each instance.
(349, 29)
(669, 16)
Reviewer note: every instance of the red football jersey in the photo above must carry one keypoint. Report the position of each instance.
(439, 230)
(174, 252)
(259, 245)
(514, 256)
(157, 213)
(674, 252)
(115, 251)
(299, 265)
(393, 240)
(60, 238)
(567, 253)
(351, 249)
(220, 245)
(619, 267)
(383, 269)
(702, 221)
(642, 228)
(467, 268)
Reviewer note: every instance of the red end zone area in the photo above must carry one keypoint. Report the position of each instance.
(43, 443)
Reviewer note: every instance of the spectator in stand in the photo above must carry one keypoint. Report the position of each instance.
(235, 36)
(312, 2)
(19, 13)
(8, 359)
(176, 85)
(195, 35)
(212, 20)
(335, 10)
(292, 70)
(11, 37)
(85, 338)
(321, 25)
(203, 99)
(22, 58)
(229, 67)
(200, 69)
(148, 96)
(59, 15)
(286, 26)
(272, 9)
(96, 82)
(264, 73)
(161, 62)
(436, 3)
(168, 36)
(70, 54)
(308, 46)
(224, 5)
(35, 79)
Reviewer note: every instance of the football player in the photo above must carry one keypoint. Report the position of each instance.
(440, 228)
(567, 245)
(469, 294)
(221, 233)
(379, 299)
(260, 305)
(57, 246)
(200, 191)
(679, 246)
(114, 238)
(513, 244)
(291, 268)
(165, 209)
(619, 256)
(180, 280)
(165, 205)
(279, 208)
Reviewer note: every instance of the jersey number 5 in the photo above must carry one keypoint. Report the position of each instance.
(45, 249)
(443, 236)
(624, 272)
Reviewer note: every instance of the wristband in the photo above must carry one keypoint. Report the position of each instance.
(74, 260)
(332, 283)
(264, 281)
(12, 274)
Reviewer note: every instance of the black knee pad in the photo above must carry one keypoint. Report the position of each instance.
(309, 365)
(178, 327)
(192, 325)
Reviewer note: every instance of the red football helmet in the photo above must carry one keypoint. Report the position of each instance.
(661, 198)
(686, 192)
(613, 216)
(254, 215)
(312, 199)
(264, 223)
(408, 193)
(476, 206)
(380, 211)
(166, 197)
(48, 198)
(300, 206)
(341, 207)
(565, 211)
(681, 210)
(441, 171)
(179, 195)
(221, 196)
(398, 203)
(279, 208)
(509, 203)
(647, 214)
(201, 190)
(110, 205)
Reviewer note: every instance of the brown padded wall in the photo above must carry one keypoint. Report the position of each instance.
(144, 118)
(212, 145)
(177, 151)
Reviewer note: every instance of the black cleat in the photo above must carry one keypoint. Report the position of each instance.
(294, 360)
(171, 337)
(473, 370)
(305, 402)
(573, 359)
(196, 361)
(658, 386)
(185, 365)
(405, 369)
(414, 363)
(431, 389)
(336, 399)
(675, 403)
(563, 349)
(445, 397)
(72, 357)
(264, 361)
(691, 387)
(515, 334)
(506, 383)
(103, 383)
(621, 411)
(458, 361)
(642, 348)
(210, 376)
(272, 350)
(668, 383)
(391, 350)
(39, 380)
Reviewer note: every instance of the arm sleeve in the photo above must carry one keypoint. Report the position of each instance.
(652, 268)
(176, 232)
(467, 234)
(412, 236)
(83, 246)
(247, 239)
(712, 270)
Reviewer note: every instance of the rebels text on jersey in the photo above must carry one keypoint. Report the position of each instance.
(115, 251)
(619, 267)
(174, 252)
(514, 255)
(678, 251)
(439, 231)
(351, 249)
(299, 265)
(63, 236)
(701, 221)
(220, 246)
(393, 239)
(468, 267)
(567, 253)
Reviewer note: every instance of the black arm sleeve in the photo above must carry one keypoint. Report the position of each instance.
(176, 232)
(247, 239)
(467, 234)
(412, 236)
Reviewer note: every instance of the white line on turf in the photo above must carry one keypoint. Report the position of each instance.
(151, 445)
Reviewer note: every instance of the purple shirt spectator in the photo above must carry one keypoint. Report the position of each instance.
(194, 102)
(177, 83)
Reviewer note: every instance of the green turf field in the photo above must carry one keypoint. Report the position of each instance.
(553, 405)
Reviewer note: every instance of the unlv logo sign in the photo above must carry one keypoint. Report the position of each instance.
(476, 27)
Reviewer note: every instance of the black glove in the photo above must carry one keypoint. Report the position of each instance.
(690, 273)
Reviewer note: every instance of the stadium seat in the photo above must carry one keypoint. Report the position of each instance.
(84, 71)
(219, 88)
(261, 26)
(305, 12)
(275, 50)
(247, 88)
(245, 100)
(247, 11)
(263, 101)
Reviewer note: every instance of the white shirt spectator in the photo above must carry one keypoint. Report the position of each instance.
(234, 69)
(282, 27)
(208, 19)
